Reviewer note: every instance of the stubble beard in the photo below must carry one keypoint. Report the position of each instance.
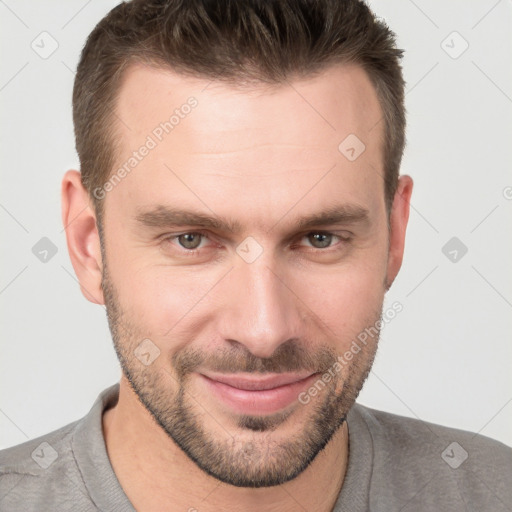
(253, 454)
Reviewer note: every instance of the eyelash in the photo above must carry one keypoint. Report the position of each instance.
(193, 252)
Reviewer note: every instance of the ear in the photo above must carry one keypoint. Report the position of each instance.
(82, 236)
(397, 226)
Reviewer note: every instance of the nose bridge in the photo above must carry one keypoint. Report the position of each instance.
(262, 310)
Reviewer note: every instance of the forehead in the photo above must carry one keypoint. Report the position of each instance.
(264, 145)
(338, 99)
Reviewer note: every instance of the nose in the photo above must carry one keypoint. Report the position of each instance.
(262, 312)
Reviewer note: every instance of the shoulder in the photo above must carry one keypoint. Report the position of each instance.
(412, 435)
(41, 471)
(35, 456)
(60, 470)
(413, 457)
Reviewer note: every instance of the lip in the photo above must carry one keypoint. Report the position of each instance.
(256, 394)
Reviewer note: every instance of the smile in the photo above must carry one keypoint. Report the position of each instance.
(254, 394)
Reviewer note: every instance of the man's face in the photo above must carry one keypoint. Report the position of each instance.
(290, 267)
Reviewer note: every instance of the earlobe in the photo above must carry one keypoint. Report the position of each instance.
(397, 227)
(82, 236)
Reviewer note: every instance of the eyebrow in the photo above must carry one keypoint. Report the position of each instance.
(166, 217)
(342, 214)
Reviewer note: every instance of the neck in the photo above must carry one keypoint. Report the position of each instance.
(157, 475)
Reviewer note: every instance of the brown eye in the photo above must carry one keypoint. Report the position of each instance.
(320, 240)
(190, 240)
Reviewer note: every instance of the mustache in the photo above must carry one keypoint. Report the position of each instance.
(289, 357)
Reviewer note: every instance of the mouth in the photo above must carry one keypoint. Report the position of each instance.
(251, 394)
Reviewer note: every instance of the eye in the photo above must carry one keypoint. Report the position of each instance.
(194, 245)
(320, 240)
(190, 240)
(324, 240)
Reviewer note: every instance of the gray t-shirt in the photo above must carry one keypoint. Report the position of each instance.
(395, 464)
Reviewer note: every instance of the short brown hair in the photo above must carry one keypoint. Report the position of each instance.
(235, 41)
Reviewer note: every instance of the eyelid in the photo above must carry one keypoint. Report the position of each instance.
(185, 232)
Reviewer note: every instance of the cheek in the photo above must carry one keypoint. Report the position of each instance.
(346, 298)
(152, 297)
(164, 301)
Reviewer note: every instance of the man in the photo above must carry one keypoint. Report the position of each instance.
(240, 213)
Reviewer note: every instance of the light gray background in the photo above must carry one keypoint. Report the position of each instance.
(445, 358)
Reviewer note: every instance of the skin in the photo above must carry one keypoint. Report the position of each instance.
(262, 157)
